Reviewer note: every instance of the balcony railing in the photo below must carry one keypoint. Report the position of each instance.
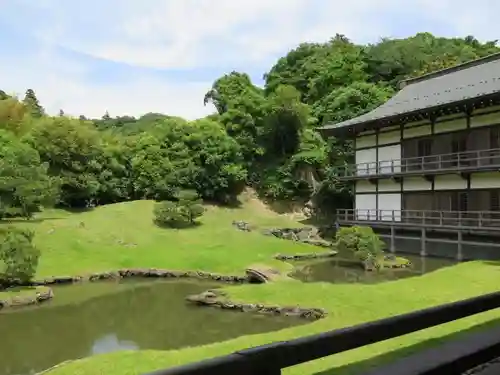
(485, 220)
(432, 164)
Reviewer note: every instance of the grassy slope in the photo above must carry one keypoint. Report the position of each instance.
(123, 235)
(216, 246)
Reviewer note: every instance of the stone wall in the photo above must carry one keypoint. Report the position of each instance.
(143, 273)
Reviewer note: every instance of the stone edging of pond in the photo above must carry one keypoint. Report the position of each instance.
(217, 298)
(306, 256)
(141, 273)
(27, 299)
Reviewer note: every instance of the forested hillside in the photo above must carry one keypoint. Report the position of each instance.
(260, 137)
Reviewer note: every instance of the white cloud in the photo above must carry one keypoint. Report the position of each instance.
(60, 84)
(185, 34)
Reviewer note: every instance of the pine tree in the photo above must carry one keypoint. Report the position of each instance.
(106, 116)
(33, 105)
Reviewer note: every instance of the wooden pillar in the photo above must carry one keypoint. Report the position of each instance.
(423, 243)
(393, 239)
(460, 256)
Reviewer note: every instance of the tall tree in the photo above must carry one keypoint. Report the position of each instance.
(25, 185)
(31, 102)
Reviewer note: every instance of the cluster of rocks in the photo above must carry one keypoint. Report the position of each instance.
(27, 299)
(308, 235)
(143, 273)
(242, 225)
(305, 235)
(306, 256)
(218, 299)
(389, 261)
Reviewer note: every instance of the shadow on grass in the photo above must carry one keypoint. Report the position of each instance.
(77, 210)
(233, 203)
(495, 263)
(359, 368)
(183, 226)
(25, 221)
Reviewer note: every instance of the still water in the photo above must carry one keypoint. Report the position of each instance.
(95, 318)
(342, 269)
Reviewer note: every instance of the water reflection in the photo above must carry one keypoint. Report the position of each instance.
(151, 316)
(111, 343)
(342, 269)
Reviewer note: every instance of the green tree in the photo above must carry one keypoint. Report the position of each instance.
(12, 116)
(362, 242)
(351, 101)
(32, 104)
(191, 205)
(181, 212)
(18, 257)
(73, 150)
(25, 186)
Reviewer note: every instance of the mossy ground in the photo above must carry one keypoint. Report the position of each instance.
(123, 235)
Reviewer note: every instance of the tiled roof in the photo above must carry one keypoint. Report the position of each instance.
(473, 79)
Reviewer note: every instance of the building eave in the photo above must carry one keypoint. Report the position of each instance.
(414, 116)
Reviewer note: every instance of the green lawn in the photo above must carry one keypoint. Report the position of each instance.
(123, 236)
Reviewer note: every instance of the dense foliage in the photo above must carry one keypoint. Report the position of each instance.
(180, 212)
(262, 137)
(18, 257)
(362, 242)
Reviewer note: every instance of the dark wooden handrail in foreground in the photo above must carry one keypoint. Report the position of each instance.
(270, 359)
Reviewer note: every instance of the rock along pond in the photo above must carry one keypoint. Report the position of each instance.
(94, 318)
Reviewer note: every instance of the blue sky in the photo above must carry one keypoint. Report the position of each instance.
(138, 56)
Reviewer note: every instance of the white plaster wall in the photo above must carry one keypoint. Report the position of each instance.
(388, 185)
(416, 183)
(450, 125)
(389, 207)
(366, 161)
(484, 119)
(364, 186)
(487, 109)
(389, 137)
(416, 132)
(485, 180)
(366, 206)
(449, 182)
(366, 141)
(390, 158)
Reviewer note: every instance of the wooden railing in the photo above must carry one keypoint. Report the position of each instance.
(453, 162)
(453, 358)
(427, 218)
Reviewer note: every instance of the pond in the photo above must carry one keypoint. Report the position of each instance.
(342, 269)
(95, 318)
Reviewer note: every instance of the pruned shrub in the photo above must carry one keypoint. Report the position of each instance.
(362, 242)
(182, 212)
(18, 257)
